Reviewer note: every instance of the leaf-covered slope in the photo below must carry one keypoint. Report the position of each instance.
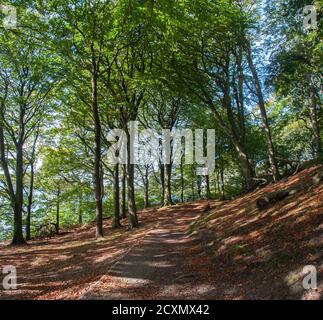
(261, 253)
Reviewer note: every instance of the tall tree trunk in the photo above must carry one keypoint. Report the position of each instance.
(168, 191)
(97, 155)
(316, 142)
(80, 208)
(116, 198)
(245, 165)
(241, 111)
(5, 167)
(58, 200)
(18, 237)
(132, 212)
(217, 183)
(123, 192)
(16, 206)
(222, 183)
(31, 188)
(30, 201)
(192, 183)
(182, 181)
(162, 183)
(146, 187)
(264, 118)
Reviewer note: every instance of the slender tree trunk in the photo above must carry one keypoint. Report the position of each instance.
(316, 142)
(146, 198)
(123, 183)
(222, 183)
(30, 201)
(192, 183)
(241, 111)
(4, 165)
(168, 191)
(116, 198)
(31, 188)
(58, 209)
(80, 208)
(208, 191)
(246, 168)
(264, 118)
(146, 187)
(132, 212)
(182, 181)
(217, 183)
(97, 155)
(162, 183)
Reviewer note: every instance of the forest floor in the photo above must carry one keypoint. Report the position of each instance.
(231, 251)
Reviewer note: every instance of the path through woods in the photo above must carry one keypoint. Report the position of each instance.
(166, 264)
(232, 251)
(74, 266)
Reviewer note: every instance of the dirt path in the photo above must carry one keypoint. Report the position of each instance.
(234, 251)
(159, 259)
(165, 264)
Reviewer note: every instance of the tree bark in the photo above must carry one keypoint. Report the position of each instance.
(97, 154)
(316, 142)
(18, 237)
(168, 187)
(192, 183)
(31, 188)
(30, 201)
(80, 208)
(241, 112)
(182, 181)
(208, 191)
(264, 118)
(146, 187)
(245, 165)
(162, 183)
(58, 200)
(116, 198)
(132, 211)
(16, 196)
(123, 192)
(222, 183)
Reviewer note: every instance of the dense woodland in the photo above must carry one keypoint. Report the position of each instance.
(71, 71)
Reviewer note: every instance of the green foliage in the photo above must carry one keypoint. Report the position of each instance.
(147, 56)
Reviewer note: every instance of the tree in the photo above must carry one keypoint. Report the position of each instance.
(207, 42)
(32, 161)
(263, 112)
(25, 86)
(295, 68)
(82, 44)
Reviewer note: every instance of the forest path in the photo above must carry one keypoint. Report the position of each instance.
(166, 264)
(234, 251)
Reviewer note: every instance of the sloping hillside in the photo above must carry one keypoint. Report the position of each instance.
(261, 253)
(216, 250)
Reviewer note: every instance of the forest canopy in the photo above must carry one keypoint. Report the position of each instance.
(249, 71)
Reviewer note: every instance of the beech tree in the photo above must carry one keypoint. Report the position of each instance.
(82, 41)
